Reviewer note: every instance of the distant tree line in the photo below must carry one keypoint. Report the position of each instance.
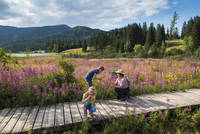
(59, 45)
(191, 35)
(124, 39)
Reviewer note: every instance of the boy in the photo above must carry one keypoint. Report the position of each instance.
(91, 74)
(89, 100)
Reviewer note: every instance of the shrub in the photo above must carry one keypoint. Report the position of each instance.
(139, 50)
(68, 69)
(197, 53)
(154, 51)
(175, 51)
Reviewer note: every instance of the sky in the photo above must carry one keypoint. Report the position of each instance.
(101, 14)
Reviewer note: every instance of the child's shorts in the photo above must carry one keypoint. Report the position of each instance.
(89, 106)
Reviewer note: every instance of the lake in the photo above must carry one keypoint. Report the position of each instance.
(31, 54)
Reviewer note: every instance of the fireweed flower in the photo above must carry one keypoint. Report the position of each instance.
(136, 103)
(160, 113)
(189, 109)
(144, 111)
(126, 104)
(168, 100)
(136, 115)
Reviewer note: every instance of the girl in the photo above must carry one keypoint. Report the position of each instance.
(89, 100)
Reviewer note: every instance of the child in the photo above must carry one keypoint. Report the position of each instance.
(90, 74)
(89, 99)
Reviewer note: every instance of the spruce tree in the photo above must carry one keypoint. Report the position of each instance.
(144, 32)
(158, 37)
(196, 32)
(188, 31)
(163, 33)
(150, 35)
(183, 30)
(172, 26)
(84, 47)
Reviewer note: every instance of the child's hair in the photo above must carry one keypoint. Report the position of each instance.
(101, 68)
(91, 89)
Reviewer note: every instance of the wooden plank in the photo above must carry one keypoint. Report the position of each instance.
(22, 120)
(3, 113)
(128, 106)
(177, 100)
(39, 118)
(102, 110)
(161, 100)
(107, 108)
(76, 116)
(7, 119)
(80, 107)
(59, 117)
(10, 125)
(194, 100)
(158, 100)
(152, 103)
(196, 91)
(118, 111)
(192, 93)
(97, 115)
(49, 115)
(31, 119)
(67, 114)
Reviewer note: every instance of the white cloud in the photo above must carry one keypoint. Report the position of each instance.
(175, 2)
(105, 14)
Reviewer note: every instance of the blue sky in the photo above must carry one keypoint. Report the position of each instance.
(102, 14)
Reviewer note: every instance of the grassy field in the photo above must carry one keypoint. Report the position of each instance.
(78, 51)
(175, 44)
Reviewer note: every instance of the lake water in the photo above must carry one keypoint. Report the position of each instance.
(31, 54)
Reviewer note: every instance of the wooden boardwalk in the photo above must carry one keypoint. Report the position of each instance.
(52, 117)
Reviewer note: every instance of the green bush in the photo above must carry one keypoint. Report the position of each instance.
(197, 53)
(68, 69)
(175, 51)
(154, 51)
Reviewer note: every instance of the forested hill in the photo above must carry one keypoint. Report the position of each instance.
(8, 33)
(18, 39)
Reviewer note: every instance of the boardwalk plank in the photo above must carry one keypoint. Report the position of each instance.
(193, 99)
(117, 110)
(3, 113)
(76, 116)
(193, 94)
(67, 114)
(102, 110)
(154, 105)
(7, 119)
(31, 119)
(22, 120)
(59, 117)
(161, 101)
(49, 115)
(196, 91)
(10, 125)
(108, 109)
(80, 107)
(39, 118)
(97, 115)
(177, 100)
